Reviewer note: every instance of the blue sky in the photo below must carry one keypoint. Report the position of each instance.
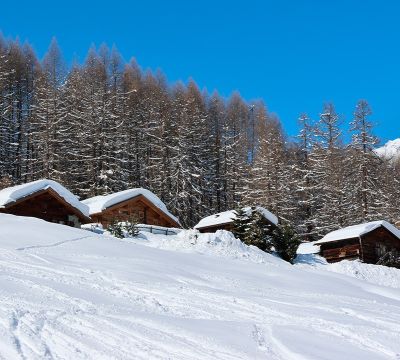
(295, 55)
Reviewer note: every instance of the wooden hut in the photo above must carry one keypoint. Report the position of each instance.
(367, 242)
(139, 204)
(44, 199)
(224, 220)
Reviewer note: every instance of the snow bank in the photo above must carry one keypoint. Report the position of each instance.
(230, 215)
(12, 194)
(356, 231)
(99, 203)
(376, 274)
(221, 243)
(308, 248)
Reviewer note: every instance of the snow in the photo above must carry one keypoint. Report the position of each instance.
(391, 150)
(67, 293)
(12, 194)
(308, 248)
(228, 216)
(99, 203)
(356, 231)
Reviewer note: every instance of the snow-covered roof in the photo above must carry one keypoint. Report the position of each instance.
(15, 193)
(230, 215)
(356, 231)
(99, 203)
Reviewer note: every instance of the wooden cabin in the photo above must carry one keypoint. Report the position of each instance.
(44, 199)
(367, 242)
(224, 220)
(139, 204)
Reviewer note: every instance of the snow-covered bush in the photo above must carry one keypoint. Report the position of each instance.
(116, 229)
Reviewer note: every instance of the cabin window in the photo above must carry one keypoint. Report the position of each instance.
(380, 249)
(141, 214)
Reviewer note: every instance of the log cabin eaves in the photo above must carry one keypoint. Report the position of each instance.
(137, 198)
(75, 211)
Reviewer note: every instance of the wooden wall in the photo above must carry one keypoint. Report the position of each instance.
(371, 247)
(340, 250)
(135, 208)
(43, 206)
(378, 242)
(213, 229)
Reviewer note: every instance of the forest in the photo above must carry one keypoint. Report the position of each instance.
(107, 125)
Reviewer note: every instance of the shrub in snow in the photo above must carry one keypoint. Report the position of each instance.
(116, 229)
(131, 227)
(285, 242)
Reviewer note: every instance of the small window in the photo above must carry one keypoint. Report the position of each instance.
(380, 249)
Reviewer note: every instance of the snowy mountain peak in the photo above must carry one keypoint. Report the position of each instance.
(391, 150)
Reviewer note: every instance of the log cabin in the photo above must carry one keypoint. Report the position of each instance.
(44, 199)
(137, 204)
(224, 220)
(367, 242)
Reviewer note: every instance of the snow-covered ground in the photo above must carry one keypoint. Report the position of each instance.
(67, 293)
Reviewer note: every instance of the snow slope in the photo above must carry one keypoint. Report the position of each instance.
(67, 293)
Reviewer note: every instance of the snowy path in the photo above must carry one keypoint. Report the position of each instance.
(66, 294)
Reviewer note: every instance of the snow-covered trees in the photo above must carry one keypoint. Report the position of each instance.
(107, 126)
(366, 189)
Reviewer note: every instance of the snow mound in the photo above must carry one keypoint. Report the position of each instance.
(390, 151)
(221, 243)
(376, 274)
(99, 203)
(12, 194)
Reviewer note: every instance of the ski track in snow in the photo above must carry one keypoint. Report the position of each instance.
(96, 297)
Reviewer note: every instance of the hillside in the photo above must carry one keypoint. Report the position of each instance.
(70, 294)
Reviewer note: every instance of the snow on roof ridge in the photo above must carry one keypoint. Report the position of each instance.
(99, 203)
(229, 215)
(14, 193)
(358, 230)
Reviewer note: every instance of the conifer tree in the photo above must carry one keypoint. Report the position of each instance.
(285, 242)
(241, 223)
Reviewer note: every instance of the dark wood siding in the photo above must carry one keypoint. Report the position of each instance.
(47, 206)
(339, 250)
(369, 248)
(377, 242)
(137, 208)
(213, 229)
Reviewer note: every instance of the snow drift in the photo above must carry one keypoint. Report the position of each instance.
(72, 294)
